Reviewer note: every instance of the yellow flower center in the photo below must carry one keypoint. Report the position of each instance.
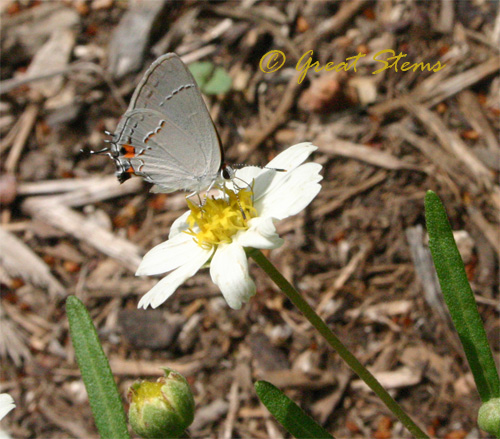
(219, 219)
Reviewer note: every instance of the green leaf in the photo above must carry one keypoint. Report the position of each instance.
(289, 414)
(212, 80)
(201, 71)
(104, 398)
(459, 298)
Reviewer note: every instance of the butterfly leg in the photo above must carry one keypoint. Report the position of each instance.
(192, 194)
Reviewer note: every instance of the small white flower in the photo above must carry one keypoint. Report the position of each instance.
(219, 232)
(6, 404)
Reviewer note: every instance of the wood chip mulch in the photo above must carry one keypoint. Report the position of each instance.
(358, 253)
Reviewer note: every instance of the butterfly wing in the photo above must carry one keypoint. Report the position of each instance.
(161, 152)
(167, 124)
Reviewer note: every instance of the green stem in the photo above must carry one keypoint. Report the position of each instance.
(334, 342)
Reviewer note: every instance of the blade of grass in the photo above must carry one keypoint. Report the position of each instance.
(459, 298)
(289, 414)
(104, 398)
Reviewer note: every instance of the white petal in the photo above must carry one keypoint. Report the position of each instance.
(289, 160)
(292, 193)
(167, 286)
(6, 404)
(229, 271)
(168, 255)
(266, 178)
(245, 176)
(179, 225)
(260, 234)
(292, 157)
(266, 181)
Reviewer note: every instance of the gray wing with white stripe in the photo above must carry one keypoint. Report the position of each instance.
(168, 87)
(165, 154)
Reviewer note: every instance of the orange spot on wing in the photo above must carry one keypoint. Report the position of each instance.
(129, 151)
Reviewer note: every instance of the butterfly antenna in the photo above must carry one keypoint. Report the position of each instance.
(244, 165)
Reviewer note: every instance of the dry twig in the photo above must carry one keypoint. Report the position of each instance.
(20, 261)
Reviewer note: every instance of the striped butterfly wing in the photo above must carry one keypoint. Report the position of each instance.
(170, 128)
(162, 153)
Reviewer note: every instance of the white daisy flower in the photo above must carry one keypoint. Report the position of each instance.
(218, 233)
(6, 404)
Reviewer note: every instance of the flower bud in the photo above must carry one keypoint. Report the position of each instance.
(161, 409)
(488, 417)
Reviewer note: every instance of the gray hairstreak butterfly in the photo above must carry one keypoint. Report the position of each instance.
(167, 136)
